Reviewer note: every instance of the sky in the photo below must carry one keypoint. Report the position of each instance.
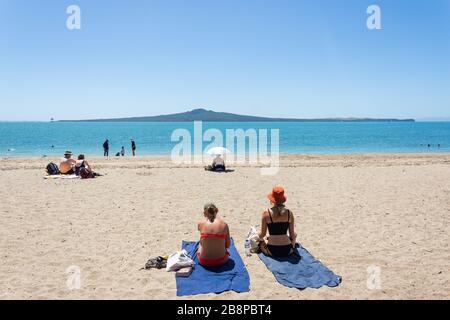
(275, 58)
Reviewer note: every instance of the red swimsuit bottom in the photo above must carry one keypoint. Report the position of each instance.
(212, 262)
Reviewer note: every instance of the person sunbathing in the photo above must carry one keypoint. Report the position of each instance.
(278, 220)
(67, 164)
(82, 168)
(214, 238)
(218, 164)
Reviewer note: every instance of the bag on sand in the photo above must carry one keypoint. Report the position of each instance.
(178, 260)
(254, 239)
(52, 169)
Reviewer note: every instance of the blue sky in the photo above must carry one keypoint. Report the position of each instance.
(281, 58)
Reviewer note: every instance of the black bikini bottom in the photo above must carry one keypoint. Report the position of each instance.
(280, 251)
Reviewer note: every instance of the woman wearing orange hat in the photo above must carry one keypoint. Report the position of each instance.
(279, 221)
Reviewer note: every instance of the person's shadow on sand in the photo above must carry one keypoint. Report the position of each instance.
(224, 171)
(229, 265)
(293, 258)
(218, 171)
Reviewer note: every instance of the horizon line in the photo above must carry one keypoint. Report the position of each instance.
(344, 119)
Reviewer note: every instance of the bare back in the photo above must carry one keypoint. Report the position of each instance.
(273, 215)
(66, 165)
(213, 246)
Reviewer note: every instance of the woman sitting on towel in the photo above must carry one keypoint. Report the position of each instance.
(83, 169)
(279, 221)
(214, 238)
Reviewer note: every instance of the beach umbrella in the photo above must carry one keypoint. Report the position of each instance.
(218, 151)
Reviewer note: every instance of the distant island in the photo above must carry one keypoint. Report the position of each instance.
(212, 116)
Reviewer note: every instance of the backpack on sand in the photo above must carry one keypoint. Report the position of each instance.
(52, 169)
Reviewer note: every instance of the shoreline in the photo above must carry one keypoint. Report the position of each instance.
(282, 155)
(285, 161)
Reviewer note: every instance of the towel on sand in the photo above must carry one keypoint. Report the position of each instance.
(62, 176)
(300, 270)
(231, 276)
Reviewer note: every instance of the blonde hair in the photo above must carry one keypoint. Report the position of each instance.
(210, 210)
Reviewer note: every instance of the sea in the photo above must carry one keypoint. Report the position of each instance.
(19, 139)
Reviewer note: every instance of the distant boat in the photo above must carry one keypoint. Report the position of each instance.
(52, 119)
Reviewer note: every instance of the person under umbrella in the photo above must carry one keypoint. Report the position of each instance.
(218, 163)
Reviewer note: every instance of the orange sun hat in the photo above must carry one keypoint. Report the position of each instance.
(277, 195)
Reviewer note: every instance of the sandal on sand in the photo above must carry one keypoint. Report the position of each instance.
(158, 263)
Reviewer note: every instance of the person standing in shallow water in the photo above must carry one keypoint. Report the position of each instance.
(122, 152)
(106, 148)
(133, 147)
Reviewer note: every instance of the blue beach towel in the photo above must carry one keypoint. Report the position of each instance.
(300, 270)
(231, 276)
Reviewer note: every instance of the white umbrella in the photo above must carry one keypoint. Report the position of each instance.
(218, 151)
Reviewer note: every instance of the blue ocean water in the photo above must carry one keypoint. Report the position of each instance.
(52, 138)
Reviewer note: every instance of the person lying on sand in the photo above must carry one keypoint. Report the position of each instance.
(67, 164)
(278, 220)
(214, 238)
(217, 165)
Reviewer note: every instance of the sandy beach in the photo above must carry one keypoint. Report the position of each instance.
(353, 212)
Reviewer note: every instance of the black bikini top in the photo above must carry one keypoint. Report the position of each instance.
(78, 168)
(278, 228)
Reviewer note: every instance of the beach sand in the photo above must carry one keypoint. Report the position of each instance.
(353, 212)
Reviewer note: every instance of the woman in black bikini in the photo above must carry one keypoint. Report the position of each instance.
(83, 169)
(278, 220)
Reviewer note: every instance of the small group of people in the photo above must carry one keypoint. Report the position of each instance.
(122, 150)
(79, 167)
(277, 220)
(429, 145)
